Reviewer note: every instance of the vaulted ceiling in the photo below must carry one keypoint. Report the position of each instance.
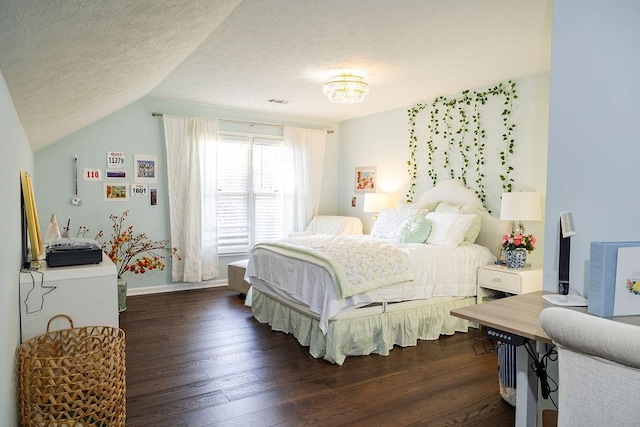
(70, 63)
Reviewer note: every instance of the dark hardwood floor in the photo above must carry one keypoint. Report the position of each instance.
(199, 358)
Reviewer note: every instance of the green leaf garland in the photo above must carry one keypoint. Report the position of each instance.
(465, 141)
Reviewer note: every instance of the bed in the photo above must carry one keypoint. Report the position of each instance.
(356, 295)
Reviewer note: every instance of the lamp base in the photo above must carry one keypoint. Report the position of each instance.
(519, 228)
(566, 300)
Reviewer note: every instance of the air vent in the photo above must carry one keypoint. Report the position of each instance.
(278, 101)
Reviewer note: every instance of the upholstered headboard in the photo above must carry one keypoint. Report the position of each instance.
(453, 191)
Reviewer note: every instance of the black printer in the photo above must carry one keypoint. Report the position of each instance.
(67, 252)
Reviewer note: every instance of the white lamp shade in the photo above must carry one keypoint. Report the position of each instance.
(375, 202)
(520, 206)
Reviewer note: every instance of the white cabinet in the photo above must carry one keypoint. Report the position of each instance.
(86, 293)
(513, 281)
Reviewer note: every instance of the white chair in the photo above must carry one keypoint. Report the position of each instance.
(599, 368)
(337, 225)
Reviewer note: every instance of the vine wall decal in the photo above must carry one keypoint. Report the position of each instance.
(456, 140)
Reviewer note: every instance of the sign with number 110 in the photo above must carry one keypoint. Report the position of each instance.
(92, 174)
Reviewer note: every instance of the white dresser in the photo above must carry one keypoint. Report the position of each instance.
(86, 293)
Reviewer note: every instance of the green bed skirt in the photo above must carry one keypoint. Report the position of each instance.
(368, 331)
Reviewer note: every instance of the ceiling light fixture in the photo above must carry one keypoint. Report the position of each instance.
(346, 89)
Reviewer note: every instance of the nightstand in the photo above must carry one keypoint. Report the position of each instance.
(513, 281)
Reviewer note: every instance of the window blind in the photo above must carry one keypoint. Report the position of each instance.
(249, 197)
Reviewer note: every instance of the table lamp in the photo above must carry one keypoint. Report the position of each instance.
(520, 206)
(375, 202)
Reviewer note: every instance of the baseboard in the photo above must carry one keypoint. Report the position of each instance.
(175, 287)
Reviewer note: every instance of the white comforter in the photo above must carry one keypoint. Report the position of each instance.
(356, 264)
(437, 271)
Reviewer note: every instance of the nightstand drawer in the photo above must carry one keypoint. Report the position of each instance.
(500, 280)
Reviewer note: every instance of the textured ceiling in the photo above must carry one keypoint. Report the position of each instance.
(70, 63)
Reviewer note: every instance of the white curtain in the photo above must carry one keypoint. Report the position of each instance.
(191, 164)
(304, 163)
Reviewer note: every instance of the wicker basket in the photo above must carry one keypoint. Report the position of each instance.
(73, 377)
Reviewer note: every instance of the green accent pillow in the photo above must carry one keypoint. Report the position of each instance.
(414, 230)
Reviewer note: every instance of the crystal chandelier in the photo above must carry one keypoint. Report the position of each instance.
(346, 89)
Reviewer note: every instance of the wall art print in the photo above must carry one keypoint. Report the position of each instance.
(365, 178)
(627, 287)
(116, 192)
(145, 169)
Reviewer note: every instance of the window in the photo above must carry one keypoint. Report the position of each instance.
(249, 193)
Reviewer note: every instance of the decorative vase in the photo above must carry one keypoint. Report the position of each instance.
(516, 258)
(122, 295)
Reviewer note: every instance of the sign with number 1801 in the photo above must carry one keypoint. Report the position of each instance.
(139, 190)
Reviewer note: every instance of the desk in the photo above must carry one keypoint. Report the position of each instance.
(519, 315)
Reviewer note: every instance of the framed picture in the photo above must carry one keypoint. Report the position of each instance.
(365, 178)
(116, 192)
(116, 174)
(145, 169)
(153, 196)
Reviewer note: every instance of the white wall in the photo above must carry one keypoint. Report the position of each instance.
(15, 154)
(133, 130)
(593, 134)
(381, 140)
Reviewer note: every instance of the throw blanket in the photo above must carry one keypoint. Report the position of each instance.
(356, 264)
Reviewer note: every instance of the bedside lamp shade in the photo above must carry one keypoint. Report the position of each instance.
(520, 206)
(375, 202)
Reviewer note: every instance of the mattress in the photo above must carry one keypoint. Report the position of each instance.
(437, 272)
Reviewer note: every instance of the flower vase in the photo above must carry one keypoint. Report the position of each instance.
(122, 295)
(516, 258)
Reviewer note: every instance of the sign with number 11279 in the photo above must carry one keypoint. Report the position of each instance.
(115, 160)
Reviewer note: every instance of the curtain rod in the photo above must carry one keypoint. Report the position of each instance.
(329, 131)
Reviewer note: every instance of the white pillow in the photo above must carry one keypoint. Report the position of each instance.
(390, 220)
(448, 229)
(431, 206)
(474, 230)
